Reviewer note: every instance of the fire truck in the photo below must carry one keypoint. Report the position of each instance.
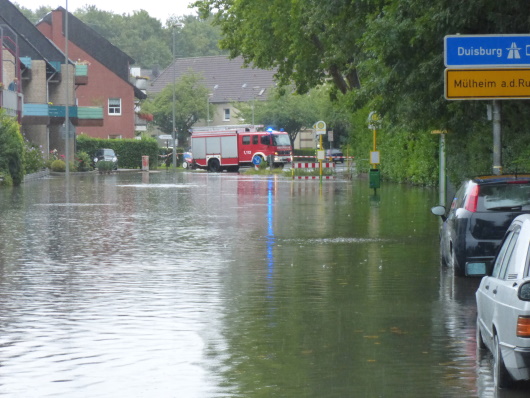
(230, 149)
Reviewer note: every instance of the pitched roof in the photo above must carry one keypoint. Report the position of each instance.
(31, 42)
(225, 78)
(94, 44)
(102, 50)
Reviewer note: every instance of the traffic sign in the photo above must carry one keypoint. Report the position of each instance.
(320, 127)
(487, 50)
(462, 84)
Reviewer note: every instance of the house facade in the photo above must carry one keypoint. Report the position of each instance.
(108, 83)
(37, 84)
(228, 82)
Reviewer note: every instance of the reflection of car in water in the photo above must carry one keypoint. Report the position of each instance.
(106, 154)
(503, 307)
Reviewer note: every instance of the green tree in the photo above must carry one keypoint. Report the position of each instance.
(34, 16)
(11, 149)
(190, 100)
(284, 110)
(198, 38)
(308, 41)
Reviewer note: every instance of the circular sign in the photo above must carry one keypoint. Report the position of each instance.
(256, 160)
(320, 125)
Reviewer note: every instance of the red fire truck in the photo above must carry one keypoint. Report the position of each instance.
(229, 149)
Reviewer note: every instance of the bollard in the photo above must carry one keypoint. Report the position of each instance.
(145, 163)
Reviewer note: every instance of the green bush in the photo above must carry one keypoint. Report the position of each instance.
(5, 179)
(129, 151)
(58, 165)
(34, 160)
(12, 152)
(82, 161)
(105, 166)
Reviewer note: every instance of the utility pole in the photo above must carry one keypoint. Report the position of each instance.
(497, 139)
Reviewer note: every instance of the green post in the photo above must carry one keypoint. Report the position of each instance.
(375, 178)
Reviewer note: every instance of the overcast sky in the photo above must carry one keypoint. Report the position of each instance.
(159, 9)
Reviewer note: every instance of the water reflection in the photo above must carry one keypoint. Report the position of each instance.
(222, 285)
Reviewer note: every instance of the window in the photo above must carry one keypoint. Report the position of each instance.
(255, 139)
(227, 114)
(246, 140)
(265, 139)
(114, 106)
(505, 255)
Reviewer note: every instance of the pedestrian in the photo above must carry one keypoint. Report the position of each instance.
(13, 86)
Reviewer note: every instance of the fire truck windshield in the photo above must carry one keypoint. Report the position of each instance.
(281, 140)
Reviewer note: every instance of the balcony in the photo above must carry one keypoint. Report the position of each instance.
(81, 74)
(56, 114)
(89, 116)
(11, 102)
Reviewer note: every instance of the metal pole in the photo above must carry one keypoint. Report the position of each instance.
(67, 96)
(173, 132)
(442, 170)
(497, 133)
(320, 160)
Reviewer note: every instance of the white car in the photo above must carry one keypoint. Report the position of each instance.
(503, 306)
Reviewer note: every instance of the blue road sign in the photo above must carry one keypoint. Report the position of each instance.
(487, 51)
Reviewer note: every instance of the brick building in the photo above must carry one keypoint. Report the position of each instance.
(108, 73)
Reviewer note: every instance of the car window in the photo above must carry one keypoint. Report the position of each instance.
(510, 257)
(459, 197)
(503, 196)
(506, 255)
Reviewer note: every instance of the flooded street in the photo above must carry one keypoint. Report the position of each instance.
(202, 285)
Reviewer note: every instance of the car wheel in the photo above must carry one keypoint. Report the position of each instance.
(214, 165)
(480, 341)
(454, 263)
(501, 377)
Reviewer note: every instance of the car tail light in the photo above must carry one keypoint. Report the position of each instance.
(472, 200)
(523, 326)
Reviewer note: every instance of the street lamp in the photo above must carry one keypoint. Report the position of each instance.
(254, 89)
(208, 105)
(174, 132)
(254, 99)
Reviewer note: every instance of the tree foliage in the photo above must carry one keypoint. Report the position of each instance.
(33, 16)
(306, 40)
(190, 105)
(294, 112)
(143, 37)
(12, 149)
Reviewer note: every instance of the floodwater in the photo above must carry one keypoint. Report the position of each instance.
(204, 285)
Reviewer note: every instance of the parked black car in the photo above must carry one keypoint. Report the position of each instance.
(105, 154)
(480, 214)
(335, 154)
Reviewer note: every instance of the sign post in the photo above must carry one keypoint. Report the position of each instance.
(488, 67)
(374, 175)
(320, 130)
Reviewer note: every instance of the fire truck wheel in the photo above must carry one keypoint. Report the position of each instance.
(214, 166)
